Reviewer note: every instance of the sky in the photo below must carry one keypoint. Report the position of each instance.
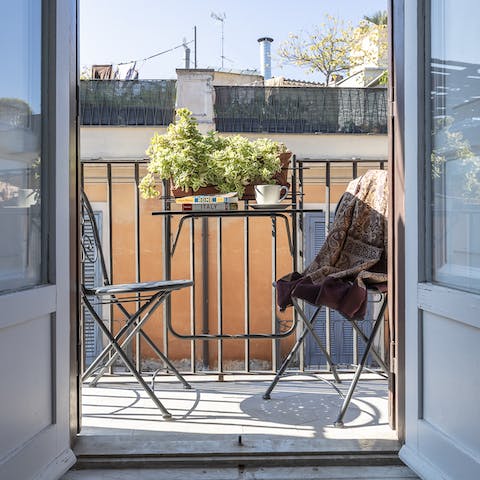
(115, 31)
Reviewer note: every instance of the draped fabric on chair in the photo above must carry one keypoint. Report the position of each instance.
(353, 256)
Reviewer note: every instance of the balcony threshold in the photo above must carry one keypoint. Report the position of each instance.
(229, 423)
(97, 453)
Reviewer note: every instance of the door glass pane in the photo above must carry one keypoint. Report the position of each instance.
(20, 144)
(455, 143)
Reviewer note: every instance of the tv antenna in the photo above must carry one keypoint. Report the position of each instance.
(221, 18)
(187, 53)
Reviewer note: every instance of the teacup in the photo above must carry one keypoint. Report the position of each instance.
(270, 194)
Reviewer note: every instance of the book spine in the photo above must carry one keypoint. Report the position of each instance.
(207, 199)
(209, 207)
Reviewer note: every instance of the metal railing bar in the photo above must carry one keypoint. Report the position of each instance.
(219, 296)
(246, 263)
(274, 302)
(328, 313)
(205, 292)
(327, 197)
(81, 324)
(110, 246)
(166, 231)
(192, 297)
(137, 257)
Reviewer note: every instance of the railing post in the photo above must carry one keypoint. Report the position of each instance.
(110, 249)
(246, 263)
(297, 253)
(205, 293)
(219, 297)
(327, 197)
(167, 260)
(275, 343)
(137, 258)
(192, 297)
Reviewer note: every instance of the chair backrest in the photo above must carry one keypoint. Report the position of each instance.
(92, 251)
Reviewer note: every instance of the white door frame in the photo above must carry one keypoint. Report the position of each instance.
(36, 443)
(431, 449)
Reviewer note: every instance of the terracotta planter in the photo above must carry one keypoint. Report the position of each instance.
(179, 192)
(281, 178)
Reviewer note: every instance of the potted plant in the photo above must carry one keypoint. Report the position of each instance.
(193, 161)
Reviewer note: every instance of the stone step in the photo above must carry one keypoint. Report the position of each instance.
(388, 472)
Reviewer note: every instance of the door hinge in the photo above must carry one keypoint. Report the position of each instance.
(392, 107)
(393, 357)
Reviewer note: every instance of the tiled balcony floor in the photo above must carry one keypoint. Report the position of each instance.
(211, 417)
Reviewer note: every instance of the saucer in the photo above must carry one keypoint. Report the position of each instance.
(271, 206)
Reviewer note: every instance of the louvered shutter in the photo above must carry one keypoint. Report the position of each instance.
(341, 334)
(92, 339)
(341, 331)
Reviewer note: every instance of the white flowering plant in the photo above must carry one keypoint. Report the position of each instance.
(191, 160)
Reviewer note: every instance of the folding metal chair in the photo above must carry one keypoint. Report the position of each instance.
(368, 349)
(308, 327)
(146, 296)
(364, 200)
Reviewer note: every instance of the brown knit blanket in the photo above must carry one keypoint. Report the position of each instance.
(353, 256)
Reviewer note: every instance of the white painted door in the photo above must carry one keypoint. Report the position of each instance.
(37, 38)
(442, 204)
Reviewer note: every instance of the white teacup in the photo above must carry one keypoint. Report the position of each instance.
(270, 194)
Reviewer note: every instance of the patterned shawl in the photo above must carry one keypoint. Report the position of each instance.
(353, 256)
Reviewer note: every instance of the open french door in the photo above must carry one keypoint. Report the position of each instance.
(442, 224)
(37, 215)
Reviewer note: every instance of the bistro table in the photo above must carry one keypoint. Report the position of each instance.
(282, 212)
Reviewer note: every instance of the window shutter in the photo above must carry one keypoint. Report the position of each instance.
(92, 339)
(341, 331)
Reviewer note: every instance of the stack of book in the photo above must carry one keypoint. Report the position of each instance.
(209, 203)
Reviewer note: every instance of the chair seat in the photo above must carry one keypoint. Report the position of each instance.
(169, 285)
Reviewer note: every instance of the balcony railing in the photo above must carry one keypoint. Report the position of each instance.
(232, 259)
(301, 109)
(127, 102)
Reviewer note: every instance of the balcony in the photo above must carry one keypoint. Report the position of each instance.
(233, 262)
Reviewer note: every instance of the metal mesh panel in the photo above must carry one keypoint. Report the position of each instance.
(127, 102)
(301, 110)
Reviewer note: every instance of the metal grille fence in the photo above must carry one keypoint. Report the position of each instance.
(301, 109)
(127, 102)
(205, 248)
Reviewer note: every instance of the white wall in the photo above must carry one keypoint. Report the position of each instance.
(116, 142)
(131, 142)
(195, 91)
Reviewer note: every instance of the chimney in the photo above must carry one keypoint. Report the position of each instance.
(265, 57)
